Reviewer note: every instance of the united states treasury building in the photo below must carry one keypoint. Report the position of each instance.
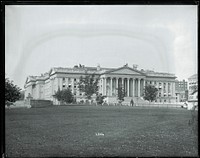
(132, 79)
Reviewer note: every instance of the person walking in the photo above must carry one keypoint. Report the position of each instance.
(132, 103)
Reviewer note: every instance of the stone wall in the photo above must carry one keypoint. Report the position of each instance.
(40, 103)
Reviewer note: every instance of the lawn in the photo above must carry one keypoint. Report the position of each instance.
(97, 131)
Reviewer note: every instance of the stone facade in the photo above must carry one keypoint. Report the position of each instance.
(132, 79)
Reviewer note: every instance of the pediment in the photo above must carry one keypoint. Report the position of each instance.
(125, 70)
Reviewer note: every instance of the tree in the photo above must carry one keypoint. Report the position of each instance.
(194, 89)
(89, 85)
(22, 95)
(12, 92)
(150, 93)
(100, 98)
(64, 95)
(120, 93)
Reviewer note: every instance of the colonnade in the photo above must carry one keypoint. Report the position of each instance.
(134, 87)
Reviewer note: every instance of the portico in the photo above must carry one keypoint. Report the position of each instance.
(132, 81)
(133, 86)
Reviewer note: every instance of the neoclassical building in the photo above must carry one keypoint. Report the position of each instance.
(132, 79)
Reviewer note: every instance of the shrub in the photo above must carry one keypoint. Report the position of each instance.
(64, 96)
(99, 99)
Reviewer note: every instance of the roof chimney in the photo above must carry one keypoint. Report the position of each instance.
(135, 66)
(98, 67)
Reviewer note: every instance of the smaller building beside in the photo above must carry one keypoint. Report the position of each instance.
(181, 90)
(193, 92)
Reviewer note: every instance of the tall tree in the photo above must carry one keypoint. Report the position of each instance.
(150, 93)
(89, 85)
(12, 92)
(120, 93)
(64, 95)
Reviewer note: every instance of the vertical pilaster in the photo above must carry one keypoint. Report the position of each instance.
(167, 89)
(116, 86)
(173, 85)
(110, 86)
(102, 86)
(162, 89)
(105, 86)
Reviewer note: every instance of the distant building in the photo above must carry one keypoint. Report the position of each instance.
(181, 91)
(132, 79)
(192, 81)
(193, 91)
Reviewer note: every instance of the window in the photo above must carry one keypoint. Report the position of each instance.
(69, 86)
(150, 82)
(63, 79)
(74, 86)
(75, 79)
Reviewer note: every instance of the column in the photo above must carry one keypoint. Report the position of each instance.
(133, 87)
(144, 83)
(72, 85)
(167, 89)
(127, 87)
(123, 82)
(110, 86)
(116, 86)
(105, 86)
(138, 87)
(102, 86)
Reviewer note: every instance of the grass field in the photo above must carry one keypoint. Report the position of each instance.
(123, 131)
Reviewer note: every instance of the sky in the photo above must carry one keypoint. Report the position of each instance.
(162, 38)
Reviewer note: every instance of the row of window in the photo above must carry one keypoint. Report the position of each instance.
(192, 83)
(69, 79)
(161, 100)
(165, 95)
(160, 84)
(69, 86)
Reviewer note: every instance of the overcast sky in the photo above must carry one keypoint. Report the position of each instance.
(160, 38)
